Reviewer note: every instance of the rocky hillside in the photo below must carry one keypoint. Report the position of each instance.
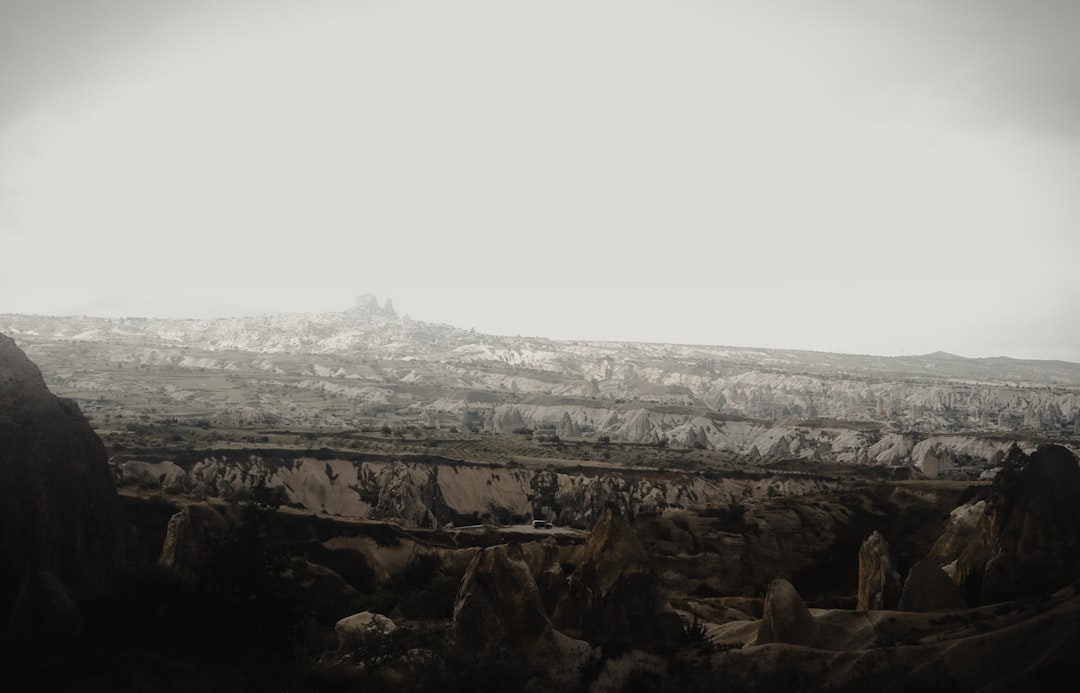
(368, 366)
(430, 491)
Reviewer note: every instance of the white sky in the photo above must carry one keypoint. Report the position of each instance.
(879, 177)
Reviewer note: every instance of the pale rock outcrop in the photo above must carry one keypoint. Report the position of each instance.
(957, 533)
(639, 427)
(473, 490)
(567, 428)
(893, 449)
(879, 582)
(507, 420)
(932, 459)
(407, 493)
(325, 486)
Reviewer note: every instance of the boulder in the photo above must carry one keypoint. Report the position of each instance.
(786, 618)
(879, 582)
(567, 428)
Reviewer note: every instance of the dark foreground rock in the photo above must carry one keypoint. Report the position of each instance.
(62, 528)
(929, 588)
(1027, 542)
(614, 592)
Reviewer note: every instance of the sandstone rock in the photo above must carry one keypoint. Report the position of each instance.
(499, 607)
(408, 493)
(879, 583)
(567, 428)
(786, 618)
(929, 588)
(190, 538)
(63, 528)
(958, 532)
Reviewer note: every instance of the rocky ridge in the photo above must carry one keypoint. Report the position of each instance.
(935, 412)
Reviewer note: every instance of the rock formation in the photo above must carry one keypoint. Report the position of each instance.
(567, 428)
(786, 619)
(928, 588)
(429, 490)
(614, 593)
(611, 594)
(63, 530)
(1028, 541)
(958, 532)
(879, 583)
(499, 607)
(191, 537)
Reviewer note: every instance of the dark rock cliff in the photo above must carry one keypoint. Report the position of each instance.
(62, 530)
(1027, 543)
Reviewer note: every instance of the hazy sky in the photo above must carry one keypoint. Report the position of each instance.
(883, 176)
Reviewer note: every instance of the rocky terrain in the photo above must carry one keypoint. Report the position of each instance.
(345, 502)
(369, 367)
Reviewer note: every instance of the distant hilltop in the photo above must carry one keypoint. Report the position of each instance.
(370, 303)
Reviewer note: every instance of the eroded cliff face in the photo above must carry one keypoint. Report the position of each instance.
(63, 530)
(706, 534)
(935, 455)
(430, 491)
